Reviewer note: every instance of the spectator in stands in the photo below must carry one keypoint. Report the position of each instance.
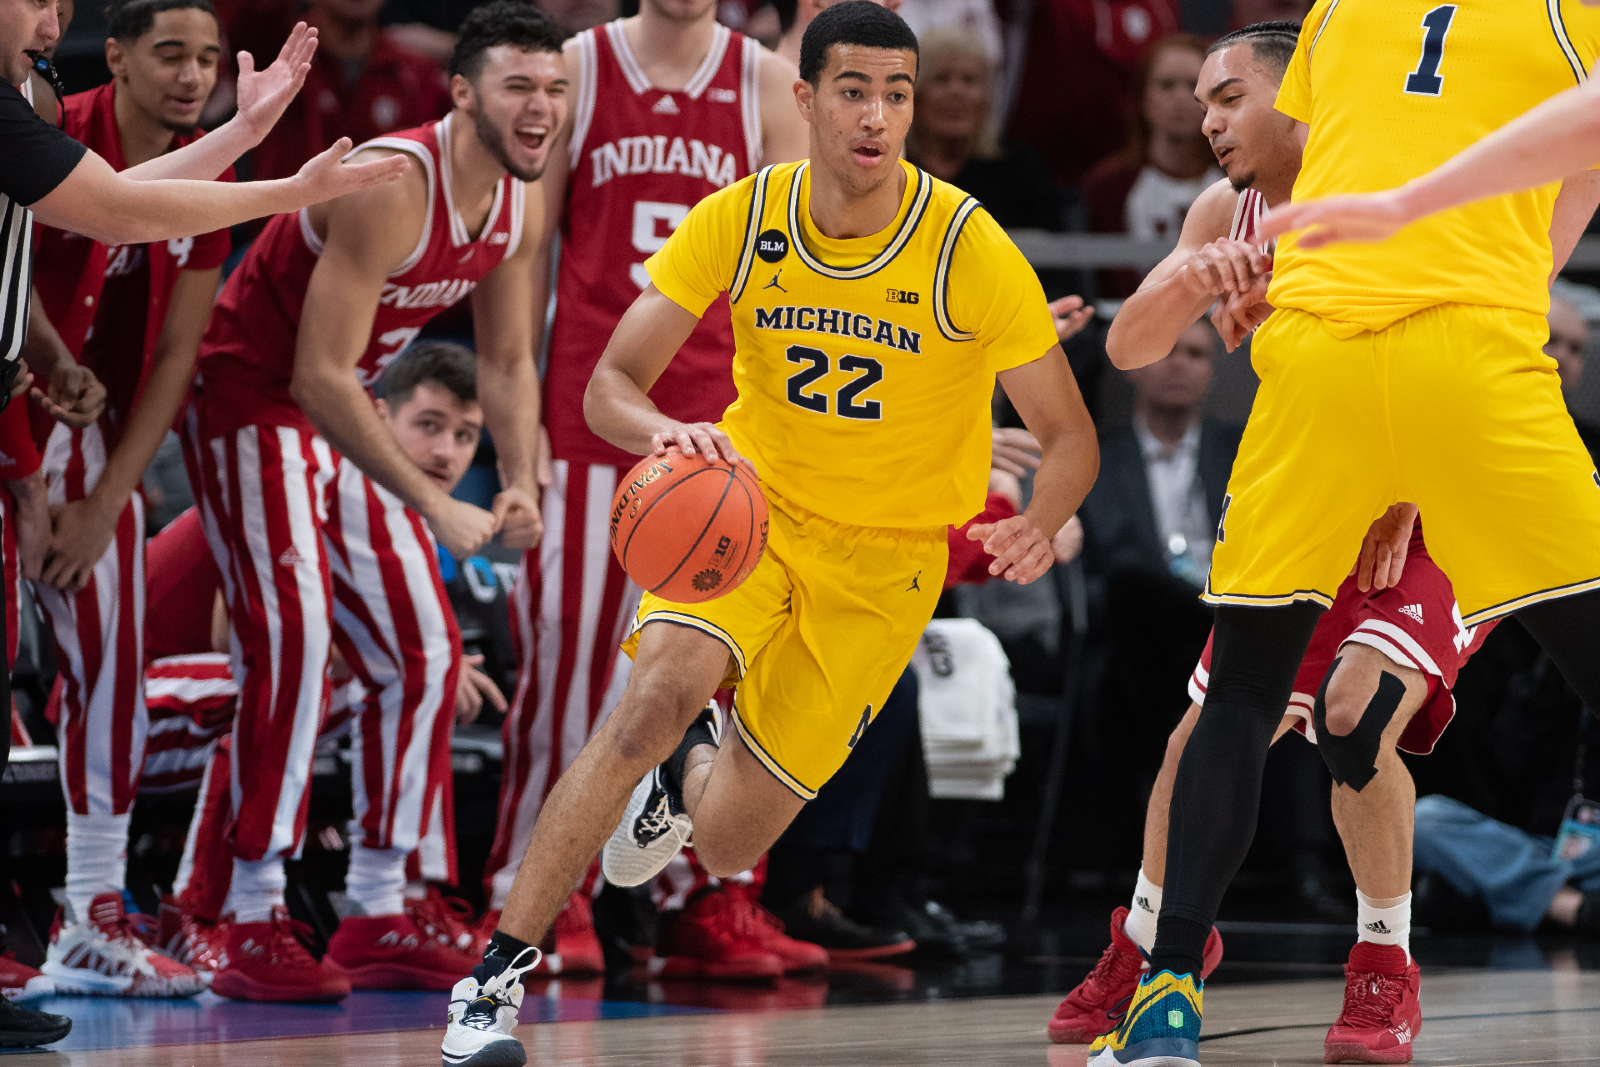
(1146, 189)
(1569, 338)
(361, 85)
(1250, 12)
(954, 136)
(1079, 70)
(1149, 524)
(974, 20)
(795, 15)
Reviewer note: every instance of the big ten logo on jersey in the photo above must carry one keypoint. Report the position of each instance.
(124, 260)
(653, 222)
(663, 155)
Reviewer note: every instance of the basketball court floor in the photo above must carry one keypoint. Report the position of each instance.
(1487, 1002)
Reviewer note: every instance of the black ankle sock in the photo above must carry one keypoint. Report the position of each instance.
(1181, 946)
(498, 955)
(698, 733)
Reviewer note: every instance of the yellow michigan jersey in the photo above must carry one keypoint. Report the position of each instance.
(864, 366)
(865, 369)
(1393, 88)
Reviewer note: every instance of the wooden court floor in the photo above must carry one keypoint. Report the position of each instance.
(1471, 1019)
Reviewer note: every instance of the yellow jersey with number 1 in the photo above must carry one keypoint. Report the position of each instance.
(865, 367)
(1393, 88)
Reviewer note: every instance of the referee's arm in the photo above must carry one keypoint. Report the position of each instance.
(101, 204)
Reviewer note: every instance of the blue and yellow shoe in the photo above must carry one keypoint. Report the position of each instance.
(1161, 1027)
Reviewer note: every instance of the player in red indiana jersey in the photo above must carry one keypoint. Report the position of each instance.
(668, 107)
(320, 523)
(1393, 637)
(133, 315)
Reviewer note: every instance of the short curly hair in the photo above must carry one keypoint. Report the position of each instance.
(129, 20)
(859, 22)
(512, 22)
(443, 363)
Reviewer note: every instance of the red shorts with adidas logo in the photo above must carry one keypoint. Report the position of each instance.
(1415, 623)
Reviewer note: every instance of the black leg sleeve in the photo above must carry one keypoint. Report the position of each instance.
(1255, 654)
(1569, 630)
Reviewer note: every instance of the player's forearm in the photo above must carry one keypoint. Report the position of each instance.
(44, 349)
(1149, 322)
(113, 209)
(342, 413)
(170, 375)
(508, 391)
(202, 159)
(1066, 473)
(1559, 137)
(619, 411)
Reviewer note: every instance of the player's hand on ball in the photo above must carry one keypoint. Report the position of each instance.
(1383, 550)
(1068, 541)
(462, 528)
(1020, 549)
(517, 519)
(1071, 314)
(702, 437)
(1364, 217)
(1225, 266)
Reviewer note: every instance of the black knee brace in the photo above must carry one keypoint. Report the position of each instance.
(1352, 758)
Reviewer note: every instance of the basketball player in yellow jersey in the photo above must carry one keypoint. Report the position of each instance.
(1407, 370)
(873, 307)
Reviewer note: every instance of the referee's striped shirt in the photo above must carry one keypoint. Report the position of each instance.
(35, 157)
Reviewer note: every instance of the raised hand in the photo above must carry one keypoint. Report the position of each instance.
(325, 177)
(1071, 314)
(263, 95)
(1361, 217)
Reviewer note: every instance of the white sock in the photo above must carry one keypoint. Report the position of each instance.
(97, 858)
(1384, 921)
(1141, 922)
(377, 879)
(416, 890)
(257, 888)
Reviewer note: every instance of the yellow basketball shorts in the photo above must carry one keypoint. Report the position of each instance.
(818, 634)
(1455, 409)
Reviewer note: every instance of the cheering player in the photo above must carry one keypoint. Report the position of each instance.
(313, 548)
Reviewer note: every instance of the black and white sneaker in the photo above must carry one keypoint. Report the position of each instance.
(478, 1029)
(655, 826)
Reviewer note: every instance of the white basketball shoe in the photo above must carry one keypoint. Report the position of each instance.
(478, 1029)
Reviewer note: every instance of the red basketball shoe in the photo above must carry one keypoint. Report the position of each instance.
(448, 920)
(1097, 1004)
(768, 929)
(19, 982)
(190, 939)
(393, 952)
(265, 961)
(103, 955)
(574, 946)
(712, 938)
(1382, 1008)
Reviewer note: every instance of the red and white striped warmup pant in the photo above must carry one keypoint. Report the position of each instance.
(311, 552)
(191, 701)
(99, 635)
(569, 613)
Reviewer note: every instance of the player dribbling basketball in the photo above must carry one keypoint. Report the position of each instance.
(873, 307)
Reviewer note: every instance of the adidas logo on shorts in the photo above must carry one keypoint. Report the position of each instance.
(1414, 612)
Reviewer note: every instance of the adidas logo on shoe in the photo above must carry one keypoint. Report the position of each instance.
(1413, 611)
(392, 939)
(1402, 1033)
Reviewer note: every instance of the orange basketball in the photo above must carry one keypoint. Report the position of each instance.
(688, 529)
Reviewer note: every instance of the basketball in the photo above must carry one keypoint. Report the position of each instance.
(688, 529)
